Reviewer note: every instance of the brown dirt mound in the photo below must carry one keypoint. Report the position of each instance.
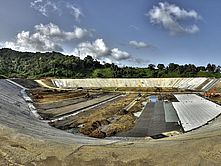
(41, 95)
(109, 120)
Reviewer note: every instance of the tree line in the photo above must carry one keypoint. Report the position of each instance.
(56, 65)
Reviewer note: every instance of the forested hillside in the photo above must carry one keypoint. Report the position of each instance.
(54, 64)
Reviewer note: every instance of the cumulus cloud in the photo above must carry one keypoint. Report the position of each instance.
(95, 49)
(55, 33)
(47, 37)
(138, 44)
(119, 55)
(170, 15)
(46, 7)
(99, 50)
(35, 42)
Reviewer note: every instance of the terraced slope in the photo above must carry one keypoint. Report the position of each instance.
(216, 88)
(15, 113)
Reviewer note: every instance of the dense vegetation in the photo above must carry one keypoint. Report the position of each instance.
(54, 64)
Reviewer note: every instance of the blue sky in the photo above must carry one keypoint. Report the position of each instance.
(126, 32)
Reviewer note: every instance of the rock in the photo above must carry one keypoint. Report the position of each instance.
(97, 134)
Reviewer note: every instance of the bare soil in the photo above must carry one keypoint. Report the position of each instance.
(105, 120)
(143, 89)
(109, 120)
(24, 150)
(42, 95)
(216, 98)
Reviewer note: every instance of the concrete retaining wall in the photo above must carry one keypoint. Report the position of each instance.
(182, 83)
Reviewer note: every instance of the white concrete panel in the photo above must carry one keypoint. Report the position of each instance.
(183, 83)
(195, 111)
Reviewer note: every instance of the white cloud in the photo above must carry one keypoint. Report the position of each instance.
(138, 44)
(46, 7)
(47, 37)
(35, 42)
(95, 49)
(119, 55)
(55, 33)
(99, 50)
(76, 12)
(169, 15)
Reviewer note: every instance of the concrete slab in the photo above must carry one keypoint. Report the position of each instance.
(170, 112)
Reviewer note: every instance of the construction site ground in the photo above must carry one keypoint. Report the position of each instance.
(152, 122)
(93, 113)
(25, 140)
